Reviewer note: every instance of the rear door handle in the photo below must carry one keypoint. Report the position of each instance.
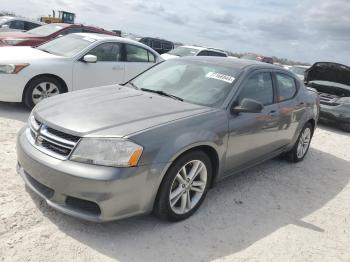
(273, 113)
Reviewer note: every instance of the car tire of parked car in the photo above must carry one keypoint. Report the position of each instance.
(302, 144)
(41, 88)
(179, 179)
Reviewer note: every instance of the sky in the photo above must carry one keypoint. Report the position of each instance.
(302, 30)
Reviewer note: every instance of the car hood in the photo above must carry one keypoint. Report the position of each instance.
(17, 34)
(329, 72)
(329, 78)
(111, 111)
(22, 54)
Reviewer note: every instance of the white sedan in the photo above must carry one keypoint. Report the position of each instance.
(68, 63)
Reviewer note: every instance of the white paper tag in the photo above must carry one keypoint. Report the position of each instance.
(221, 77)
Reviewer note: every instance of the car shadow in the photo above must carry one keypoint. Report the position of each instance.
(238, 212)
(14, 111)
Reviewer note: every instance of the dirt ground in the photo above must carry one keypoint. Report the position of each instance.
(274, 212)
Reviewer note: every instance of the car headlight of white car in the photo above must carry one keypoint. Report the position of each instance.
(107, 152)
(12, 41)
(12, 68)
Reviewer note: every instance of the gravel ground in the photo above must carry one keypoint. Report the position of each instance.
(274, 212)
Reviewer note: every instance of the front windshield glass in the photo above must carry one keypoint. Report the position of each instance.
(183, 51)
(67, 46)
(193, 81)
(45, 30)
(298, 70)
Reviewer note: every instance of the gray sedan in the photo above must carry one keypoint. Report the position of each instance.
(159, 142)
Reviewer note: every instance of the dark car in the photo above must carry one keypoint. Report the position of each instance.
(332, 81)
(261, 58)
(42, 34)
(160, 141)
(160, 45)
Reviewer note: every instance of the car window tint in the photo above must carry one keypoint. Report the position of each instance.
(16, 24)
(107, 52)
(29, 25)
(212, 53)
(258, 87)
(286, 87)
(136, 54)
(203, 53)
(157, 44)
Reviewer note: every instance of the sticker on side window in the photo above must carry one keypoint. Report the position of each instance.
(221, 77)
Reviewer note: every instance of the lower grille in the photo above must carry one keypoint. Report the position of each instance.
(46, 191)
(83, 205)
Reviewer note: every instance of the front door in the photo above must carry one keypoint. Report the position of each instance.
(109, 68)
(252, 136)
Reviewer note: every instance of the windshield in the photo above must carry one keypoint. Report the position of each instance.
(183, 51)
(193, 81)
(67, 46)
(298, 70)
(45, 30)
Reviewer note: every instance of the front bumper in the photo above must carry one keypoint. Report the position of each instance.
(11, 87)
(89, 192)
(336, 114)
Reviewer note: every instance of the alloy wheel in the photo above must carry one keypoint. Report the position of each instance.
(188, 187)
(304, 142)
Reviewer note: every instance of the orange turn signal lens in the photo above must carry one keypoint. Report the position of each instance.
(134, 159)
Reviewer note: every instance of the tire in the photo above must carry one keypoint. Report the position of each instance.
(171, 184)
(294, 154)
(45, 84)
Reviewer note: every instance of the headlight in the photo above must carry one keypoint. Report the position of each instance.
(12, 41)
(344, 100)
(107, 152)
(12, 68)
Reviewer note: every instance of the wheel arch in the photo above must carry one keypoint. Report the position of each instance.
(64, 85)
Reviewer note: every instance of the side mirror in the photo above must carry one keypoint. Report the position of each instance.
(248, 106)
(90, 59)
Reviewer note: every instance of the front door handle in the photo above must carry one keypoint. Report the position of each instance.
(272, 113)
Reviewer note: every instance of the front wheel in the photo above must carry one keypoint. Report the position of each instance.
(184, 187)
(302, 144)
(41, 88)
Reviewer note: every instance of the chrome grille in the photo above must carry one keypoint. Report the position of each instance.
(328, 99)
(50, 141)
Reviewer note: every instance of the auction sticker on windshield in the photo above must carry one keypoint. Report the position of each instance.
(221, 77)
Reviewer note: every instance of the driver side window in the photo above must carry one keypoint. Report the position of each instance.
(107, 52)
(258, 87)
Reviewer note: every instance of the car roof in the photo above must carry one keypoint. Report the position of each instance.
(234, 63)
(200, 48)
(98, 37)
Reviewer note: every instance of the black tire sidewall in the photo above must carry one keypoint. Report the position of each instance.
(162, 206)
(27, 96)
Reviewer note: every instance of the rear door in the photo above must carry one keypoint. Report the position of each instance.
(108, 70)
(290, 108)
(253, 136)
(137, 60)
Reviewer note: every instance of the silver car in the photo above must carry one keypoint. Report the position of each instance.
(159, 142)
(11, 23)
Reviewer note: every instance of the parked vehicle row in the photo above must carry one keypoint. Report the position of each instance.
(182, 51)
(160, 141)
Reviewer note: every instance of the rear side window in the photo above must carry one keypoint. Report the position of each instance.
(286, 87)
(258, 87)
(16, 24)
(138, 54)
(203, 53)
(107, 52)
(213, 53)
(71, 31)
(29, 25)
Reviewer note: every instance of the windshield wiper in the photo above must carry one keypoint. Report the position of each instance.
(133, 85)
(162, 93)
